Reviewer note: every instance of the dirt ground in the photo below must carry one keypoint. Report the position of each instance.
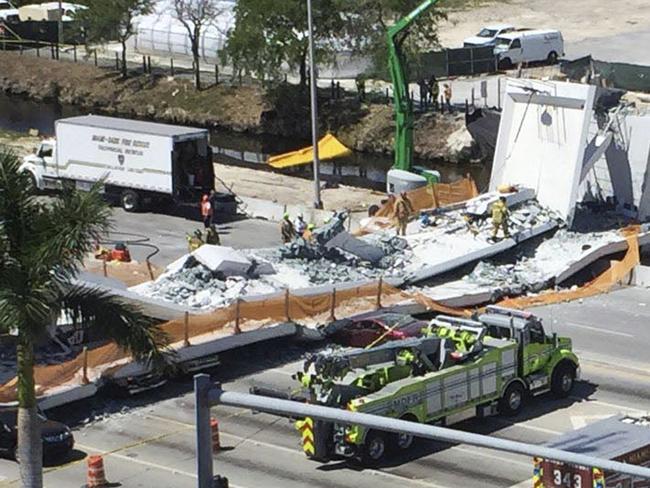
(264, 185)
(577, 19)
(21, 144)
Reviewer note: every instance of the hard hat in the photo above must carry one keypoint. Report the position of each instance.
(311, 226)
(286, 215)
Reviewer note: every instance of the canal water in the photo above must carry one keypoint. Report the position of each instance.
(366, 170)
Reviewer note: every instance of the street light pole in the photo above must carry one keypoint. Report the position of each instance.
(314, 109)
(59, 25)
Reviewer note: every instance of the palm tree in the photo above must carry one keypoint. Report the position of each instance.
(42, 247)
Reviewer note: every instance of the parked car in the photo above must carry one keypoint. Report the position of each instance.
(527, 46)
(488, 35)
(58, 440)
(363, 330)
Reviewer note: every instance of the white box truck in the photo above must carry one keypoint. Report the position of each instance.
(528, 46)
(139, 162)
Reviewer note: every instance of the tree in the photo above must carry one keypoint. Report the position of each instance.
(195, 15)
(42, 246)
(367, 22)
(269, 34)
(106, 21)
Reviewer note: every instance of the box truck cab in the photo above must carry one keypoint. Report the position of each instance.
(487, 35)
(528, 46)
(137, 162)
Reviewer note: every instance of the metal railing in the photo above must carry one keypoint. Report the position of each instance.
(208, 394)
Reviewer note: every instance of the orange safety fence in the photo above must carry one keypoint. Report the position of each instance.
(133, 273)
(614, 275)
(434, 196)
(238, 317)
(245, 315)
(427, 197)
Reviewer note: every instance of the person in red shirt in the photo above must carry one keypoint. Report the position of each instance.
(206, 211)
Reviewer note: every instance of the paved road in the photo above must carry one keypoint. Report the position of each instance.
(169, 232)
(152, 442)
(624, 48)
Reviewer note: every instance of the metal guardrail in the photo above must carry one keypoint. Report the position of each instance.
(208, 394)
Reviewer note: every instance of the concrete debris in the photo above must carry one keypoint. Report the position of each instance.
(533, 268)
(223, 260)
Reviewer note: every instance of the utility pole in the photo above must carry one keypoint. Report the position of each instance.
(314, 109)
(59, 25)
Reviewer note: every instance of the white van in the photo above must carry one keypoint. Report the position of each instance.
(526, 46)
(487, 36)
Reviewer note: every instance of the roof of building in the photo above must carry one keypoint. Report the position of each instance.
(610, 438)
(137, 126)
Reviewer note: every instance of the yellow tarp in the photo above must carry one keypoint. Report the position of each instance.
(329, 147)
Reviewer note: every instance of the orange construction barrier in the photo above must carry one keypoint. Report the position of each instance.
(96, 476)
(214, 427)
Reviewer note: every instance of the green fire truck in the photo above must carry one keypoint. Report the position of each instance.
(459, 368)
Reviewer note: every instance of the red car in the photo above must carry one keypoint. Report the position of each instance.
(379, 327)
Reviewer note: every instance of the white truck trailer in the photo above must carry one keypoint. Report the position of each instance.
(138, 162)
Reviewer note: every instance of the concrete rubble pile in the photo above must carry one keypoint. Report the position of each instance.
(531, 269)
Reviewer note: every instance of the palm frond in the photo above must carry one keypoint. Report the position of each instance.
(124, 323)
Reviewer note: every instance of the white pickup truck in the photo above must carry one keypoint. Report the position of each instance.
(138, 162)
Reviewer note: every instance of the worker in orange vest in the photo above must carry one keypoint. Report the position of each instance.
(206, 211)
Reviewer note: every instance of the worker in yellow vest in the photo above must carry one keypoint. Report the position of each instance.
(500, 215)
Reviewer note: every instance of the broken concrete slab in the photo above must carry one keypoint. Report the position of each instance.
(542, 139)
(553, 262)
(223, 260)
(347, 243)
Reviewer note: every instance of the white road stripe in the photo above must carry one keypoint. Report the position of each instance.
(596, 329)
(494, 457)
(245, 440)
(147, 463)
(535, 428)
(611, 405)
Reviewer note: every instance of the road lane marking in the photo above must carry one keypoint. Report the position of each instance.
(615, 406)
(494, 457)
(281, 371)
(596, 329)
(535, 428)
(295, 451)
(149, 464)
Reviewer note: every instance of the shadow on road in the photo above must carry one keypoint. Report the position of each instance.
(535, 407)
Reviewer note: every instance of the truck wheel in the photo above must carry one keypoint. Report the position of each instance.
(31, 183)
(505, 63)
(562, 380)
(130, 201)
(512, 401)
(552, 58)
(374, 448)
(403, 442)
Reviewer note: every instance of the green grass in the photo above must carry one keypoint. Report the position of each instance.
(11, 135)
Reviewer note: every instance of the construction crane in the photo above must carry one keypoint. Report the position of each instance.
(404, 175)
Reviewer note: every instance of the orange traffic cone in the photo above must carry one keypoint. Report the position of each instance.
(214, 427)
(96, 476)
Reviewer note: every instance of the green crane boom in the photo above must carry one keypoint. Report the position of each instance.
(402, 100)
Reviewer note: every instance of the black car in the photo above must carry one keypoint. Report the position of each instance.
(58, 440)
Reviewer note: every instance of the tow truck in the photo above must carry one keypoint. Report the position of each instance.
(459, 368)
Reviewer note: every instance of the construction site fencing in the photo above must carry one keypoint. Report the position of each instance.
(625, 76)
(464, 61)
(244, 315)
(428, 197)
